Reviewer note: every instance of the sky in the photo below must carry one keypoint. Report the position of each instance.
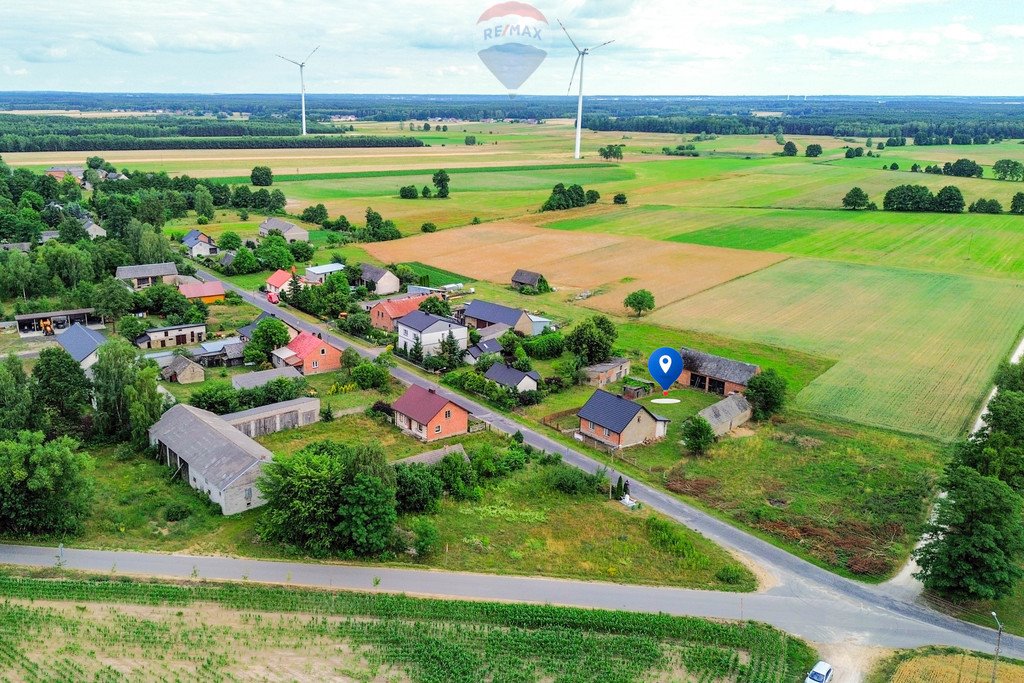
(662, 47)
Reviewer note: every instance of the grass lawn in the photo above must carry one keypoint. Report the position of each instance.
(225, 318)
(90, 627)
(12, 342)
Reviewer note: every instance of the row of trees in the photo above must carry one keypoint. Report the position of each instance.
(442, 188)
(571, 197)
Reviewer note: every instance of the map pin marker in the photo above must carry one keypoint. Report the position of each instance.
(665, 366)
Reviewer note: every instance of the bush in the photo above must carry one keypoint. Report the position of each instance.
(458, 477)
(766, 393)
(593, 196)
(547, 346)
(730, 575)
(575, 482)
(698, 435)
(428, 227)
(176, 512)
(620, 198)
(427, 537)
(409, 192)
(202, 220)
(418, 488)
(371, 376)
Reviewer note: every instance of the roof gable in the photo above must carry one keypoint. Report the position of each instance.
(305, 344)
(396, 308)
(494, 313)
(80, 341)
(526, 277)
(279, 279)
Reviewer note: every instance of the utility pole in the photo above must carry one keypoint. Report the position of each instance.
(999, 641)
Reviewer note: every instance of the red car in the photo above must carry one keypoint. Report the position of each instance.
(273, 298)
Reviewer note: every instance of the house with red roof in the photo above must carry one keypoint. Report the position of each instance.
(278, 282)
(384, 313)
(207, 292)
(429, 416)
(307, 353)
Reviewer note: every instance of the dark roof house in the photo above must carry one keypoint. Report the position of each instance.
(421, 322)
(611, 421)
(510, 377)
(485, 347)
(526, 278)
(80, 342)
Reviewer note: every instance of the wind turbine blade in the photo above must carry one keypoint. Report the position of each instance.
(573, 78)
(568, 36)
(290, 60)
(310, 54)
(601, 45)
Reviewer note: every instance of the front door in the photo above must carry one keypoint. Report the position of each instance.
(181, 339)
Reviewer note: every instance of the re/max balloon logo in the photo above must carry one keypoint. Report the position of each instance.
(510, 38)
(512, 31)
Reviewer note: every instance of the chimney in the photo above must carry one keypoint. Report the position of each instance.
(432, 391)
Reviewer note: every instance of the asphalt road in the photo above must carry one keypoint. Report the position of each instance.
(804, 599)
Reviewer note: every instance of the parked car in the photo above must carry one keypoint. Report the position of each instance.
(273, 298)
(821, 673)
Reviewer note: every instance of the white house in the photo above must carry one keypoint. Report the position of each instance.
(316, 275)
(430, 331)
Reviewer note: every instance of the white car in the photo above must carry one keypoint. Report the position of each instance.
(821, 673)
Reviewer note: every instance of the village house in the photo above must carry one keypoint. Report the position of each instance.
(317, 275)
(176, 335)
(612, 370)
(199, 244)
(183, 370)
(280, 281)
(252, 380)
(481, 314)
(227, 352)
(309, 354)
(484, 347)
(207, 292)
(141, 277)
(715, 374)
(429, 416)
(288, 230)
(527, 278)
(82, 344)
(513, 379)
(378, 280)
(91, 228)
(246, 332)
(614, 422)
(430, 330)
(384, 313)
(728, 414)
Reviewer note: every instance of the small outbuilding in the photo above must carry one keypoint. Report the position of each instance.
(715, 374)
(527, 278)
(276, 417)
(183, 370)
(612, 370)
(207, 292)
(728, 414)
(511, 378)
(141, 277)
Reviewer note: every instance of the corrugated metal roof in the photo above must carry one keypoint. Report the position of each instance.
(146, 270)
(251, 380)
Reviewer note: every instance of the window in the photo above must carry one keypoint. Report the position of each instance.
(437, 429)
(447, 414)
(316, 364)
(590, 425)
(606, 432)
(323, 352)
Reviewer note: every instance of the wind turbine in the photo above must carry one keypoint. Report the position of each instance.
(302, 80)
(580, 58)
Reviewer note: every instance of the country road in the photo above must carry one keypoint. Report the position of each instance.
(804, 599)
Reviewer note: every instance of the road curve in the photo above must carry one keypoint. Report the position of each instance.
(807, 600)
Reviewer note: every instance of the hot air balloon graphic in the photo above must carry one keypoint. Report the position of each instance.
(511, 36)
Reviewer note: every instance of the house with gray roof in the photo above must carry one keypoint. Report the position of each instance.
(146, 275)
(484, 347)
(199, 244)
(183, 370)
(429, 330)
(480, 314)
(527, 278)
(613, 422)
(288, 230)
(715, 374)
(227, 352)
(251, 380)
(94, 230)
(511, 378)
(728, 414)
(82, 344)
(211, 455)
(378, 280)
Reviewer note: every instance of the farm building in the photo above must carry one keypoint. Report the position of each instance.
(430, 330)
(728, 414)
(492, 331)
(211, 455)
(288, 230)
(29, 323)
(309, 354)
(280, 280)
(227, 258)
(176, 335)
(140, 277)
(481, 314)
(92, 229)
(527, 278)
(207, 292)
(429, 416)
(252, 380)
(539, 324)
(379, 280)
(199, 244)
(48, 235)
(513, 379)
(275, 417)
(612, 370)
(82, 344)
(228, 352)
(483, 348)
(16, 246)
(715, 374)
(612, 421)
(246, 332)
(384, 313)
(317, 275)
(183, 370)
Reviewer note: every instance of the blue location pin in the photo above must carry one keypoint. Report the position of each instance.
(665, 366)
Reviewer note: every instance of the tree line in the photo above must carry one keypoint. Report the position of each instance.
(63, 143)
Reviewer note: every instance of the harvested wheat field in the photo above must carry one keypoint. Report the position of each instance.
(609, 265)
(955, 668)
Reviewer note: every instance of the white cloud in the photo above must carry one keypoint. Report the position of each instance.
(39, 53)
(10, 71)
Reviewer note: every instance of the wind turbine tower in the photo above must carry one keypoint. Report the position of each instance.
(580, 58)
(302, 82)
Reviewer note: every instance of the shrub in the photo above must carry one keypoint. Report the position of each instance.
(176, 512)
(546, 346)
(620, 198)
(593, 196)
(575, 482)
(698, 435)
(418, 488)
(731, 575)
(427, 537)
(428, 227)
(202, 220)
(371, 376)
(409, 192)
(766, 393)
(458, 477)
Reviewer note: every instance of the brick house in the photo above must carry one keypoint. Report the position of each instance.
(176, 335)
(384, 313)
(429, 416)
(615, 422)
(481, 314)
(279, 281)
(605, 373)
(715, 374)
(309, 354)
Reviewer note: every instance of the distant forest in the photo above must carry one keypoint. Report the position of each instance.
(274, 119)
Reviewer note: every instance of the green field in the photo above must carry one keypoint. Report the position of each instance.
(97, 628)
(437, 277)
(915, 351)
